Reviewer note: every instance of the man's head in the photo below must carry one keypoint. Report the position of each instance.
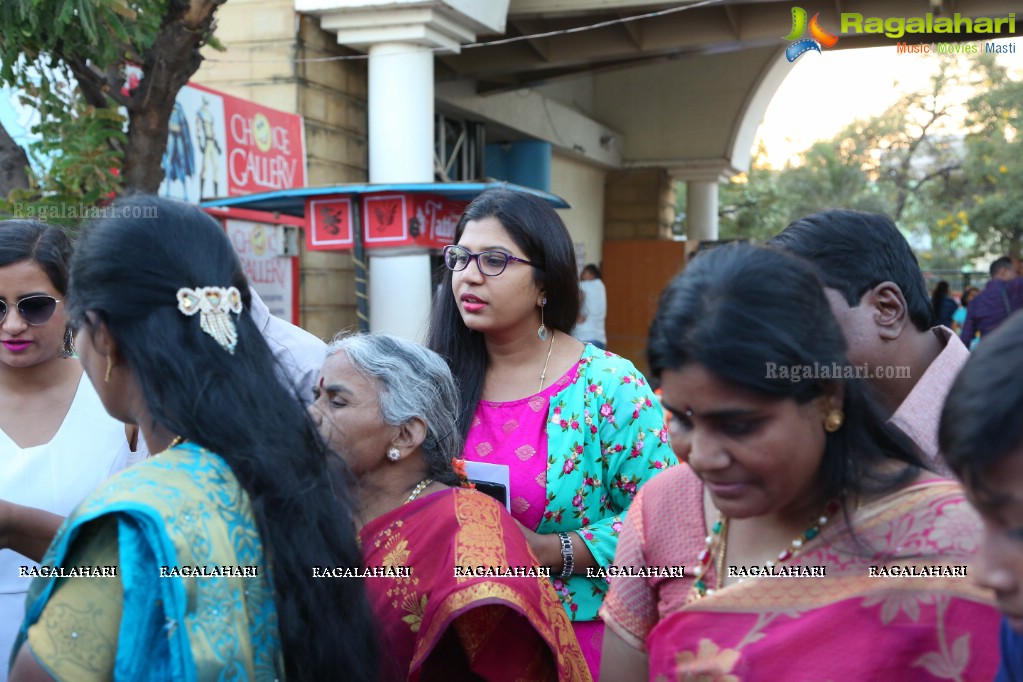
(1003, 268)
(591, 271)
(981, 438)
(871, 278)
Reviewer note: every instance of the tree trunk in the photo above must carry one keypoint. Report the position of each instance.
(13, 165)
(172, 60)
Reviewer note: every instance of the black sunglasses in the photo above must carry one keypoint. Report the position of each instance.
(35, 310)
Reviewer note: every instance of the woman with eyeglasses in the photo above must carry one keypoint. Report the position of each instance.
(578, 428)
(57, 443)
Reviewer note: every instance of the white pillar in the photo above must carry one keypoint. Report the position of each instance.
(400, 150)
(402, 39)
(399, 293)
(702, 177)
(701, 211)
(400, 113)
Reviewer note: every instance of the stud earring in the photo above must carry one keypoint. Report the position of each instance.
(542, 331)
(110, 368)
(393, 454)
(833, 422)
(68, 349)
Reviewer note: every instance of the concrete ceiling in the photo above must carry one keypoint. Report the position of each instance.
(703, 27)
(684, 90)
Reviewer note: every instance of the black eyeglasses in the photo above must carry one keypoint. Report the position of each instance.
(35, 310)
(490, 263)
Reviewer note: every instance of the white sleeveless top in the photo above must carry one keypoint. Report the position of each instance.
(89, 447)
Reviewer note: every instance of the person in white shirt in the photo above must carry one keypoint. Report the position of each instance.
(57, 442)
(589, 328)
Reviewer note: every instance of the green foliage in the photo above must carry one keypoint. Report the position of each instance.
(994, 163)
(40, 41)
(958, 194)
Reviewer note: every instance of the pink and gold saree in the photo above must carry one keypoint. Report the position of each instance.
(864, 619)
(437, 625)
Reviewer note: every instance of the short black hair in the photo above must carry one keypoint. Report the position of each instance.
(1000, 264)
(855, 251)
(592, 269)
(980, 423)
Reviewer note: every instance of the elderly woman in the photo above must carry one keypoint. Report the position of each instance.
(388, 407)
(799, 510)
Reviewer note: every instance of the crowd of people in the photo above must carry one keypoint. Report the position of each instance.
(193, 489)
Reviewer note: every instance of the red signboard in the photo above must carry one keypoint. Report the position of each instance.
(220, 146)
(330, 224)
(389, 219)
(385, 218)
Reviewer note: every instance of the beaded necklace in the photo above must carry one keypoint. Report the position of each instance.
(717, 542)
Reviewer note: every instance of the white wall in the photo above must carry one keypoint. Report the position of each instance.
(582, 186)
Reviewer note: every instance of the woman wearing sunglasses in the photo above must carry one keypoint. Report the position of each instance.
(57, 443)
(578, 427)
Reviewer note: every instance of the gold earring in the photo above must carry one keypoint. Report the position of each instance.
(833, 422)
(110, 368)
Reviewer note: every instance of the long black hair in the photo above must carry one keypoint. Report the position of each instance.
(538, 230)
(46, 246)
(127, 271)
(758, 336)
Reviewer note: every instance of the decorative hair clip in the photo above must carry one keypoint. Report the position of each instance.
(214, 303)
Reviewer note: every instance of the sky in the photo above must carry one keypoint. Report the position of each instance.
(846, 85)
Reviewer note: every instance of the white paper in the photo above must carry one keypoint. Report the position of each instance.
(491, 473)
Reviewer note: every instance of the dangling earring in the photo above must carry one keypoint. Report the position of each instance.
(393, 454)
(68, 349)
(110, 368)
(833, 422)
(542, 331)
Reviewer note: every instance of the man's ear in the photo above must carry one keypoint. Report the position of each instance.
(410, 435)
(890, 311)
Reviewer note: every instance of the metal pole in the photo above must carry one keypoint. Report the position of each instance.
(361, 265)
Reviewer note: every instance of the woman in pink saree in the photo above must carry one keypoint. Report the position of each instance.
(815, 544)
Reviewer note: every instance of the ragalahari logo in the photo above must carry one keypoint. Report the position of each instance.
(818, 36)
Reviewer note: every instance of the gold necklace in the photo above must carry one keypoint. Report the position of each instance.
(176, 441)
(543, 374)
(718, 540)
(418, 489)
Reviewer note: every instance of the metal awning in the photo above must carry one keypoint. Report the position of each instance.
(292, 201)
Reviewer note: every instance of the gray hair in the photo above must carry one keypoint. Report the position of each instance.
(413, 382)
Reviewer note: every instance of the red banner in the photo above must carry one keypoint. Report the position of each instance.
(388, 219)
(330, 224)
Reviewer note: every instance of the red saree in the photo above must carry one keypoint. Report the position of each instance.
(439, 626)
(851, 625)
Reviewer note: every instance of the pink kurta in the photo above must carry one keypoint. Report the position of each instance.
(514, 434)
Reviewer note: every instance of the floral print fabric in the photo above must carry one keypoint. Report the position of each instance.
(606, 437)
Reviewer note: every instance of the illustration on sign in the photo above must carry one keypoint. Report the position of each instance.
(219, 145)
